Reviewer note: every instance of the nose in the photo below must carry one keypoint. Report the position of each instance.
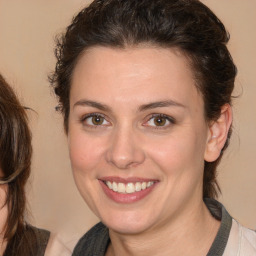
(124, 149)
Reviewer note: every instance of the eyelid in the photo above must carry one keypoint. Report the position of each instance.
(86, 116)
(170, 119)
(167, 117)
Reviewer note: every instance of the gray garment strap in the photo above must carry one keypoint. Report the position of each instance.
(219, 212)
(96, 241)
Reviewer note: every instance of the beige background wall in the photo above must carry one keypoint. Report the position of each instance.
(27, 29)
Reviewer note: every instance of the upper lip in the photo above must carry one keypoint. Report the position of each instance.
(126, 180)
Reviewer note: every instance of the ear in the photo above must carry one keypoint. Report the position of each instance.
(218, 132)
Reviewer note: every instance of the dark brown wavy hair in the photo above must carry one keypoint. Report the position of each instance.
(187, 25)
(15, 163)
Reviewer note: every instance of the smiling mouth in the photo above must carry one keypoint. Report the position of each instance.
(128, 188)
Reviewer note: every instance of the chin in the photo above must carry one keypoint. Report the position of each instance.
(127, 228)
(127, 223)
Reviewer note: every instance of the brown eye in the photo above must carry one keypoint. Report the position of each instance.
(97, 120)
(160, 121)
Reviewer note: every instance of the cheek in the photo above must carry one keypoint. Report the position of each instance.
(85, 155)
(181, 161)
(177, 155)
(85, 152)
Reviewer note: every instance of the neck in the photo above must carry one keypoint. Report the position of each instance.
(180, 236)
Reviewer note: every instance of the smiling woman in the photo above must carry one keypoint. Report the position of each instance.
(145, 89)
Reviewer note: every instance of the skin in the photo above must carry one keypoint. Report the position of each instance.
(3, 215)
(129, 144)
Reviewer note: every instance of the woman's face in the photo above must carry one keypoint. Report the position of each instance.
(137, 136)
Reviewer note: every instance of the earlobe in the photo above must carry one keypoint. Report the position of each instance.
(218, 133)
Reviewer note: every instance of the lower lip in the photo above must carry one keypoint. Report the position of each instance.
(126, 198)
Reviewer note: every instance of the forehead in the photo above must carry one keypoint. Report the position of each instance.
(133, 74)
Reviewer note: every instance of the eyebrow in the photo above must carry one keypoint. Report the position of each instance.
(93, 104)
(152, 105)
(161, 104)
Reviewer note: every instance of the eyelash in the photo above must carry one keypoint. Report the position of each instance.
(91, 115)
(152, 116)
(163, 116)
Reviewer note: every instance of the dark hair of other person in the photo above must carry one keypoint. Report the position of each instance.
(15, 164)
(198, 33)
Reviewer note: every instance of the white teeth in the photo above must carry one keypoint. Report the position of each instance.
(138, 186)
(114, 187)
(143, 185)
(109, 184)
(129, 187)
(121, 188)
(150, 183)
